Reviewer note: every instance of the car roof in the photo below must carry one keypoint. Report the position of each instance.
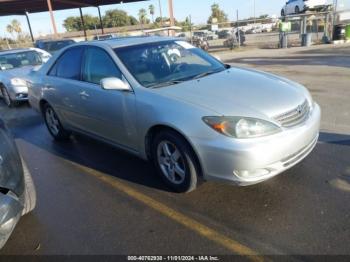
(53, 40)
(13, 51)
(129, 41)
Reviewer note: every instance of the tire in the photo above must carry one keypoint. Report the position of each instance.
(54, 125)
(29, 191)
(181, 182)
(6, 96)
(297, 10)
(282, 13)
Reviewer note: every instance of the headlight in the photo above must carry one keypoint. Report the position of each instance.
(241, 127)
(18, 82)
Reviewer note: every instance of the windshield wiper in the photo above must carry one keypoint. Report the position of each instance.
(208, 73)
(168, 83)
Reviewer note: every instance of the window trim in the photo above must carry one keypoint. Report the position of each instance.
(103, 50)
(60, 56)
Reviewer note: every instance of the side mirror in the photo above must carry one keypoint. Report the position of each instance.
(114, 83)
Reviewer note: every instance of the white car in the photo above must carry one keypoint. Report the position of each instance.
(299, 6)
(45, 56)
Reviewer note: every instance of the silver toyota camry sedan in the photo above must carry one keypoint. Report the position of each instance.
(166, 101)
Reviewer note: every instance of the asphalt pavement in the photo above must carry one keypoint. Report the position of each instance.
(94, 199)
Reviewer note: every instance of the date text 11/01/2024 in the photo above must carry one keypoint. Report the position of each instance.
(173, 258)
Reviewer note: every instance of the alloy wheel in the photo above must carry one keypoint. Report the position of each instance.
(52, 121)
(171, 162)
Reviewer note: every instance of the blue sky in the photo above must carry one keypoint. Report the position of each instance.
(198, 9)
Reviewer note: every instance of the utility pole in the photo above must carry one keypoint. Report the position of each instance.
(52, 18)
(161, 14)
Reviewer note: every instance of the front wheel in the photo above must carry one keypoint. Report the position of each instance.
(54, 125)
(175, 161)
(282, 13)
(29, 191)
(297, 10)
(6, 97)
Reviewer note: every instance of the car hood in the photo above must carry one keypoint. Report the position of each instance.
(241, 92)
(21, 72)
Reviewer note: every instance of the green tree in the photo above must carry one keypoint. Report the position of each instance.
(74, 23)
(151, 9)
(116, 18)
(217, 13)
(263, 16)
(160, 19)
(185, 25)
(133, 20)
(143, 16)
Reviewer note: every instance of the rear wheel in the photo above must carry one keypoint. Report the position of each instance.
(175, 161)
(54, 125)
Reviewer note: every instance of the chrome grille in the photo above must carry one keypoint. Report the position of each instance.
(294, 117)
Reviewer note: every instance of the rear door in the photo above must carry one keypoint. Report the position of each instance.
(62, 85)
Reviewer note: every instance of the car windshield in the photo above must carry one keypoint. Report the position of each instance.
(20, 59)
(170, 62)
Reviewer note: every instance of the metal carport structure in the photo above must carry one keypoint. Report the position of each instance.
(24, 7)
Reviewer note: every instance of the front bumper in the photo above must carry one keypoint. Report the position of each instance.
(249, 161)
(18, 93)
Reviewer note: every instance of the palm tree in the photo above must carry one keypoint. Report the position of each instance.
(142, 16)
(14, 27)
(151, 11)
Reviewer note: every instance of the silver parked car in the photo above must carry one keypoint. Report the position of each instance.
(164, 100)
(15, 65)
(17, 191)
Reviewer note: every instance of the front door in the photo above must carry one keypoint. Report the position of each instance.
(108, 114)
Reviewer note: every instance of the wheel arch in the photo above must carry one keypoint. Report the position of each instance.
(42, 104)
(154, 130)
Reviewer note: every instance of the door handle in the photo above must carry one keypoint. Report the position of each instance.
(47, 86)
(83, 94)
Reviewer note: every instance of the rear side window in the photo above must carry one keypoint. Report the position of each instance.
(69, 64)
(98, 65)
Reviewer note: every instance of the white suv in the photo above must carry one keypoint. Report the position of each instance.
(298, 6)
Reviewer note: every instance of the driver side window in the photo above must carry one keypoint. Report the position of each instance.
(98, 65)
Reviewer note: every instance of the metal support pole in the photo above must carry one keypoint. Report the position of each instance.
(82, 23)
(304, 25)
(335, 6)
(238, 32)
(254, 14)
(52, 18)
(161, 13)
(190, 17)
(171, 15)
(101, 23)
(30, 27)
